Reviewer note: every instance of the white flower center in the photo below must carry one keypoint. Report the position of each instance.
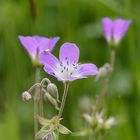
(66, 70)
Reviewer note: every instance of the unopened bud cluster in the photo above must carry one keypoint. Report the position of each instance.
(50, 92)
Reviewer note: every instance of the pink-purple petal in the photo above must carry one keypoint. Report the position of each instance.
(45, 43)
(30, 44)
(88, 70)
(48, 59)
(37, 44)
(75, 78)
(69, 52)
(51, 70)
(52, 42)
(107, 28)
(120, 28)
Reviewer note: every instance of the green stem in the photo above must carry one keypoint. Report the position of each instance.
(36, 98)
(41, 103)
(107, 79)
(33, 9)
(66, 86)
(112, 57)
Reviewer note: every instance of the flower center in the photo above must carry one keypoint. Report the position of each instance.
(66, 70)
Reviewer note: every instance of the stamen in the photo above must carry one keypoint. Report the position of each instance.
(67, 69)
(67, 63)
(61, 64)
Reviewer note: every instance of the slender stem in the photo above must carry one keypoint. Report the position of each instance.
(33, 8)
(66, 86)
(45, 80)
(112, 62)
(33, 87)
(41, 103)
(107, 79)
(112, 57)
(36, 98)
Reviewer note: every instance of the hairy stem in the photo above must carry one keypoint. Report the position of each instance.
(33, 87)
(45, 80)
(36, 98)
(66, 86)
(41, 103)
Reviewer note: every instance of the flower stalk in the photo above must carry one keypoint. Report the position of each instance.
(112, 57)
(66, 86)
(41, 103)
(36, 98)
(33, 8)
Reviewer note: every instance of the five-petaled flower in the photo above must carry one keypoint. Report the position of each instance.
(34, 45)
(115, 30)
(67, 67)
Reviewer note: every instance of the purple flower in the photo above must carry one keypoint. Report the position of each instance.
(37, 44)
(115, 30)
(67, 67)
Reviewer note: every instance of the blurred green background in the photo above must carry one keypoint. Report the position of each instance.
(77, 21)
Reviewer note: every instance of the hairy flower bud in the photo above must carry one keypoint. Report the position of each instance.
(52, 89)
(26, 96)
(51, 100)
(104, 71)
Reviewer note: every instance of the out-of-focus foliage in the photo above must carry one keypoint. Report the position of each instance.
(77, 21)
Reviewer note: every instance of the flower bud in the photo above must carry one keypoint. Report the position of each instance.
(104, 71)
(52, 89)
(26, 96)
(51, 100)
